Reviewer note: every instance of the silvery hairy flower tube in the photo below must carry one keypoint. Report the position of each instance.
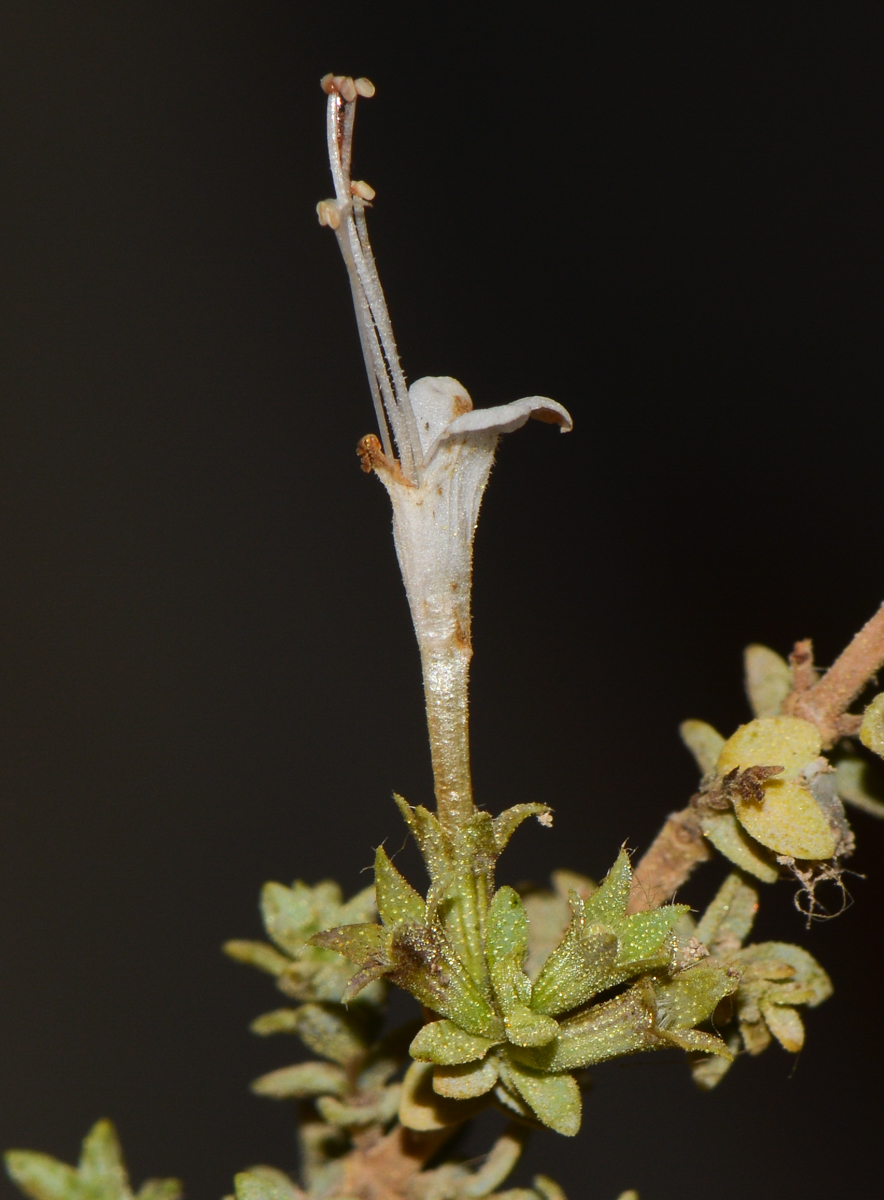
(445, 450)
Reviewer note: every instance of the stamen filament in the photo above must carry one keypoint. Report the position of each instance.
(386, 378)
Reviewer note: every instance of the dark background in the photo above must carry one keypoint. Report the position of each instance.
(665, 216)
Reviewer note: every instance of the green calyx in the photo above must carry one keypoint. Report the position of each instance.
(500, 1036)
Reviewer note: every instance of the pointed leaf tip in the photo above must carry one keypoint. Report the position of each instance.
(396, 899)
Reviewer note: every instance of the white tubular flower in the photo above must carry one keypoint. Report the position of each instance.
(446, 448)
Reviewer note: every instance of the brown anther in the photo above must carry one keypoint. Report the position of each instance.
(364, 87)
(346, 87)
(362, 189)
(327, 83)
(329, 213)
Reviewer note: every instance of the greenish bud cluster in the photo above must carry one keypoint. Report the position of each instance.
(776, 979)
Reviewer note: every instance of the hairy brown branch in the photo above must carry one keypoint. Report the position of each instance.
(677, 849)
(825, 703)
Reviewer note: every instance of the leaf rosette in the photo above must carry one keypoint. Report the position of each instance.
(495, 1034)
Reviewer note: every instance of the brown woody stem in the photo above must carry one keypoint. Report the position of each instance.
(673, 855)
(826, 701)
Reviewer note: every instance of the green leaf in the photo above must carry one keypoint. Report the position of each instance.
(101, 1174)
(871, 732)
(465, 1081)
(303, 1079)
(555, 1099)
(729, 838)
(704, 743)
(617, 1027)
(361, 944)
(708, 1070)
(359, 908)
(426, 966)
(507, 927)
(858, 784)
(644, 940)
(527, 1028)
(696, 1040)
(265, 1183)
(785, 1024)
(396, 898)
(499, 1162)
(337, 1033)
(43, 1177)
(578, 968)
(289, 915)
(506, 824)
(257, 954)
(548, 1189)
(355, 1116)
(445, 1043)
(808, 972)
(607, 904)
(429, 835)
(281, 1020)
(101, 1162)
(692, 996)
(424, 1110)
(768, 680)
(160, 1189)
(727, 921)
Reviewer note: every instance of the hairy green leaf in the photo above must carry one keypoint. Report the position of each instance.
(692, 995)
(728, 920)
(361, 944)
(510, 819)
(445, 1043)
(768, 680)
(555, 1099)
(396, 899)
(527, 1028)
(644, 940)
(426, 966)
(303, 1079)
(507, 928)
(858, 784)
(704, 743)
(337, 1033)
(578, 968)
(620, 1026)
(466, 1081)
(43, 1177)
(265, 1183)
(429, 835)
(871, 732)
(281, 1020)
(257, 954)
(607, 904)
(160, 1189)
(729, 838)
